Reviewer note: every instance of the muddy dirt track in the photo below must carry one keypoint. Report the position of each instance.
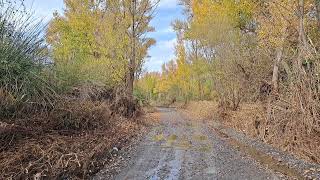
(181, 148)
(184, 149)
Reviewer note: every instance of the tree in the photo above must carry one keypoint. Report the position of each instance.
(102, 42)
(141, 12)
(89, 42)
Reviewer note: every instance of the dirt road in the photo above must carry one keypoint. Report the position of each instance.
(184, 149)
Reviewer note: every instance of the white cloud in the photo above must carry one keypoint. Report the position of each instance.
(163, 33)
(169, 44)
(167, 30)
(162, 52)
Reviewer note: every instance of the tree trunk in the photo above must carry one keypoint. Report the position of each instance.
(275, 75)
(303, 44)
(277, 62)
(130, 82)
(132, 62)
(275, 78)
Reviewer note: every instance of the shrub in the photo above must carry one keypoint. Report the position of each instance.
(140, 96)
(22, 60)
(78, 115)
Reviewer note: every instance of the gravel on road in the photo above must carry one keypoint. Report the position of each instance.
(180, 148)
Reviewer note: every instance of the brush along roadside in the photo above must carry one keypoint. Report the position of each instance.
(71, 141)
(287, 134)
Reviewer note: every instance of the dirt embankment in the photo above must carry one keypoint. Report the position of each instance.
(251, 120)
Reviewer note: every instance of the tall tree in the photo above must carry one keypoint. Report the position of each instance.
(141, 12)
(104, 39)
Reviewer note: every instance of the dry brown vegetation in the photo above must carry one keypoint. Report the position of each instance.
(66, 90)
(72, 140)
(251, 119)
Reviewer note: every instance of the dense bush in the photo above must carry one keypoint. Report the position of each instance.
(22, 62)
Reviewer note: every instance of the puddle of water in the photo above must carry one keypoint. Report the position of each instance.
(153, 173)
(175, 165)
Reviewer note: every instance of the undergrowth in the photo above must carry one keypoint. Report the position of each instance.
(48, 131)
(287, 134)
(72, 140)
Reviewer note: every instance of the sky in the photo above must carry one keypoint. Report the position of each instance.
(167, 11)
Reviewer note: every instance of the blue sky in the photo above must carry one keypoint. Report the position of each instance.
(163, 51)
